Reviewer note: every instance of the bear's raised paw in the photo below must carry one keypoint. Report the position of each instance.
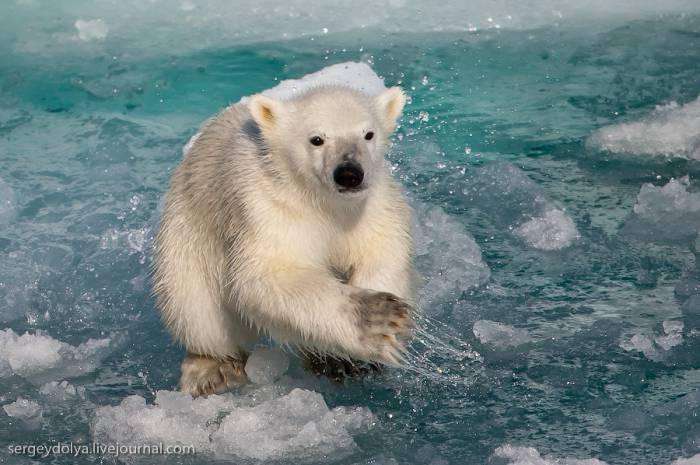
(385, 324)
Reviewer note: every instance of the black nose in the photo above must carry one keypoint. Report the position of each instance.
(348, 175)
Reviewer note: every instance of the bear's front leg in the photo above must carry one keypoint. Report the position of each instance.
(203, 375)
(310, 308)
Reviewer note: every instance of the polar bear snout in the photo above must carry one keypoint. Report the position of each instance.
(348, 176)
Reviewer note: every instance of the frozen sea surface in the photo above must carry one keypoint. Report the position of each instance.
(550, 152)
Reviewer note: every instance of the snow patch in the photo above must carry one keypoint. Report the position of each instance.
(671, 130)
(516, 455)
(264, 424)
(40, 358)
(554, 230)
(500, 335)
(95, 29)
(265, 366)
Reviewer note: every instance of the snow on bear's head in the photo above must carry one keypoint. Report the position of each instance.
(331, 139)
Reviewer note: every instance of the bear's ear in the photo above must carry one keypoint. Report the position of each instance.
(265, 111)
(390, 104)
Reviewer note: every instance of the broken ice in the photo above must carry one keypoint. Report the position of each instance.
(264, 424)
(668, 213)
(26, 410)
(670, 130)
(40, 358)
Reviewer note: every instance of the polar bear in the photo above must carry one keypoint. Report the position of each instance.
(283, 219)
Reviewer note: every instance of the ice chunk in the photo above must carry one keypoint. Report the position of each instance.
(62, 391)
(656, 347)
(670, 130)
(554, 230)
(668, 213)
(518, 455)
(95, 29)
(26, 410)
(263, 424)
(39, 357)
(694, 460)
(500, 335)
(299, 424)
(357, 76)
(447, 256)
(265, 366)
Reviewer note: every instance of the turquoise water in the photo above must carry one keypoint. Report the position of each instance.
(499, 119)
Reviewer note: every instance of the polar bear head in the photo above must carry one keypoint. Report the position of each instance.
(329, 139)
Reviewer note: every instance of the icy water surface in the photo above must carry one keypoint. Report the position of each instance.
(552, 155)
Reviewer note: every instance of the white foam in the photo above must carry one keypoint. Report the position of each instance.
(553, 230)
(265, 366)
(447, 256)
(500, 335)
(132, 240)
(40, 358)
(518, 455)
(672, 130)
(264, 424)
(666, 213)
(95, 29)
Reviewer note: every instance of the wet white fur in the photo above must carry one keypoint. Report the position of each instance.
(250, 238)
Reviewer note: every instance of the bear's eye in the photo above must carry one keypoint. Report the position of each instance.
(316, 140)
(369, 135)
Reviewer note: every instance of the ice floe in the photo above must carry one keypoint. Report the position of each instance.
(500, 335)
(358, 76)
(265, 424)
(672, 130)
(518, 455)
(40, 358)
(668, 213)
